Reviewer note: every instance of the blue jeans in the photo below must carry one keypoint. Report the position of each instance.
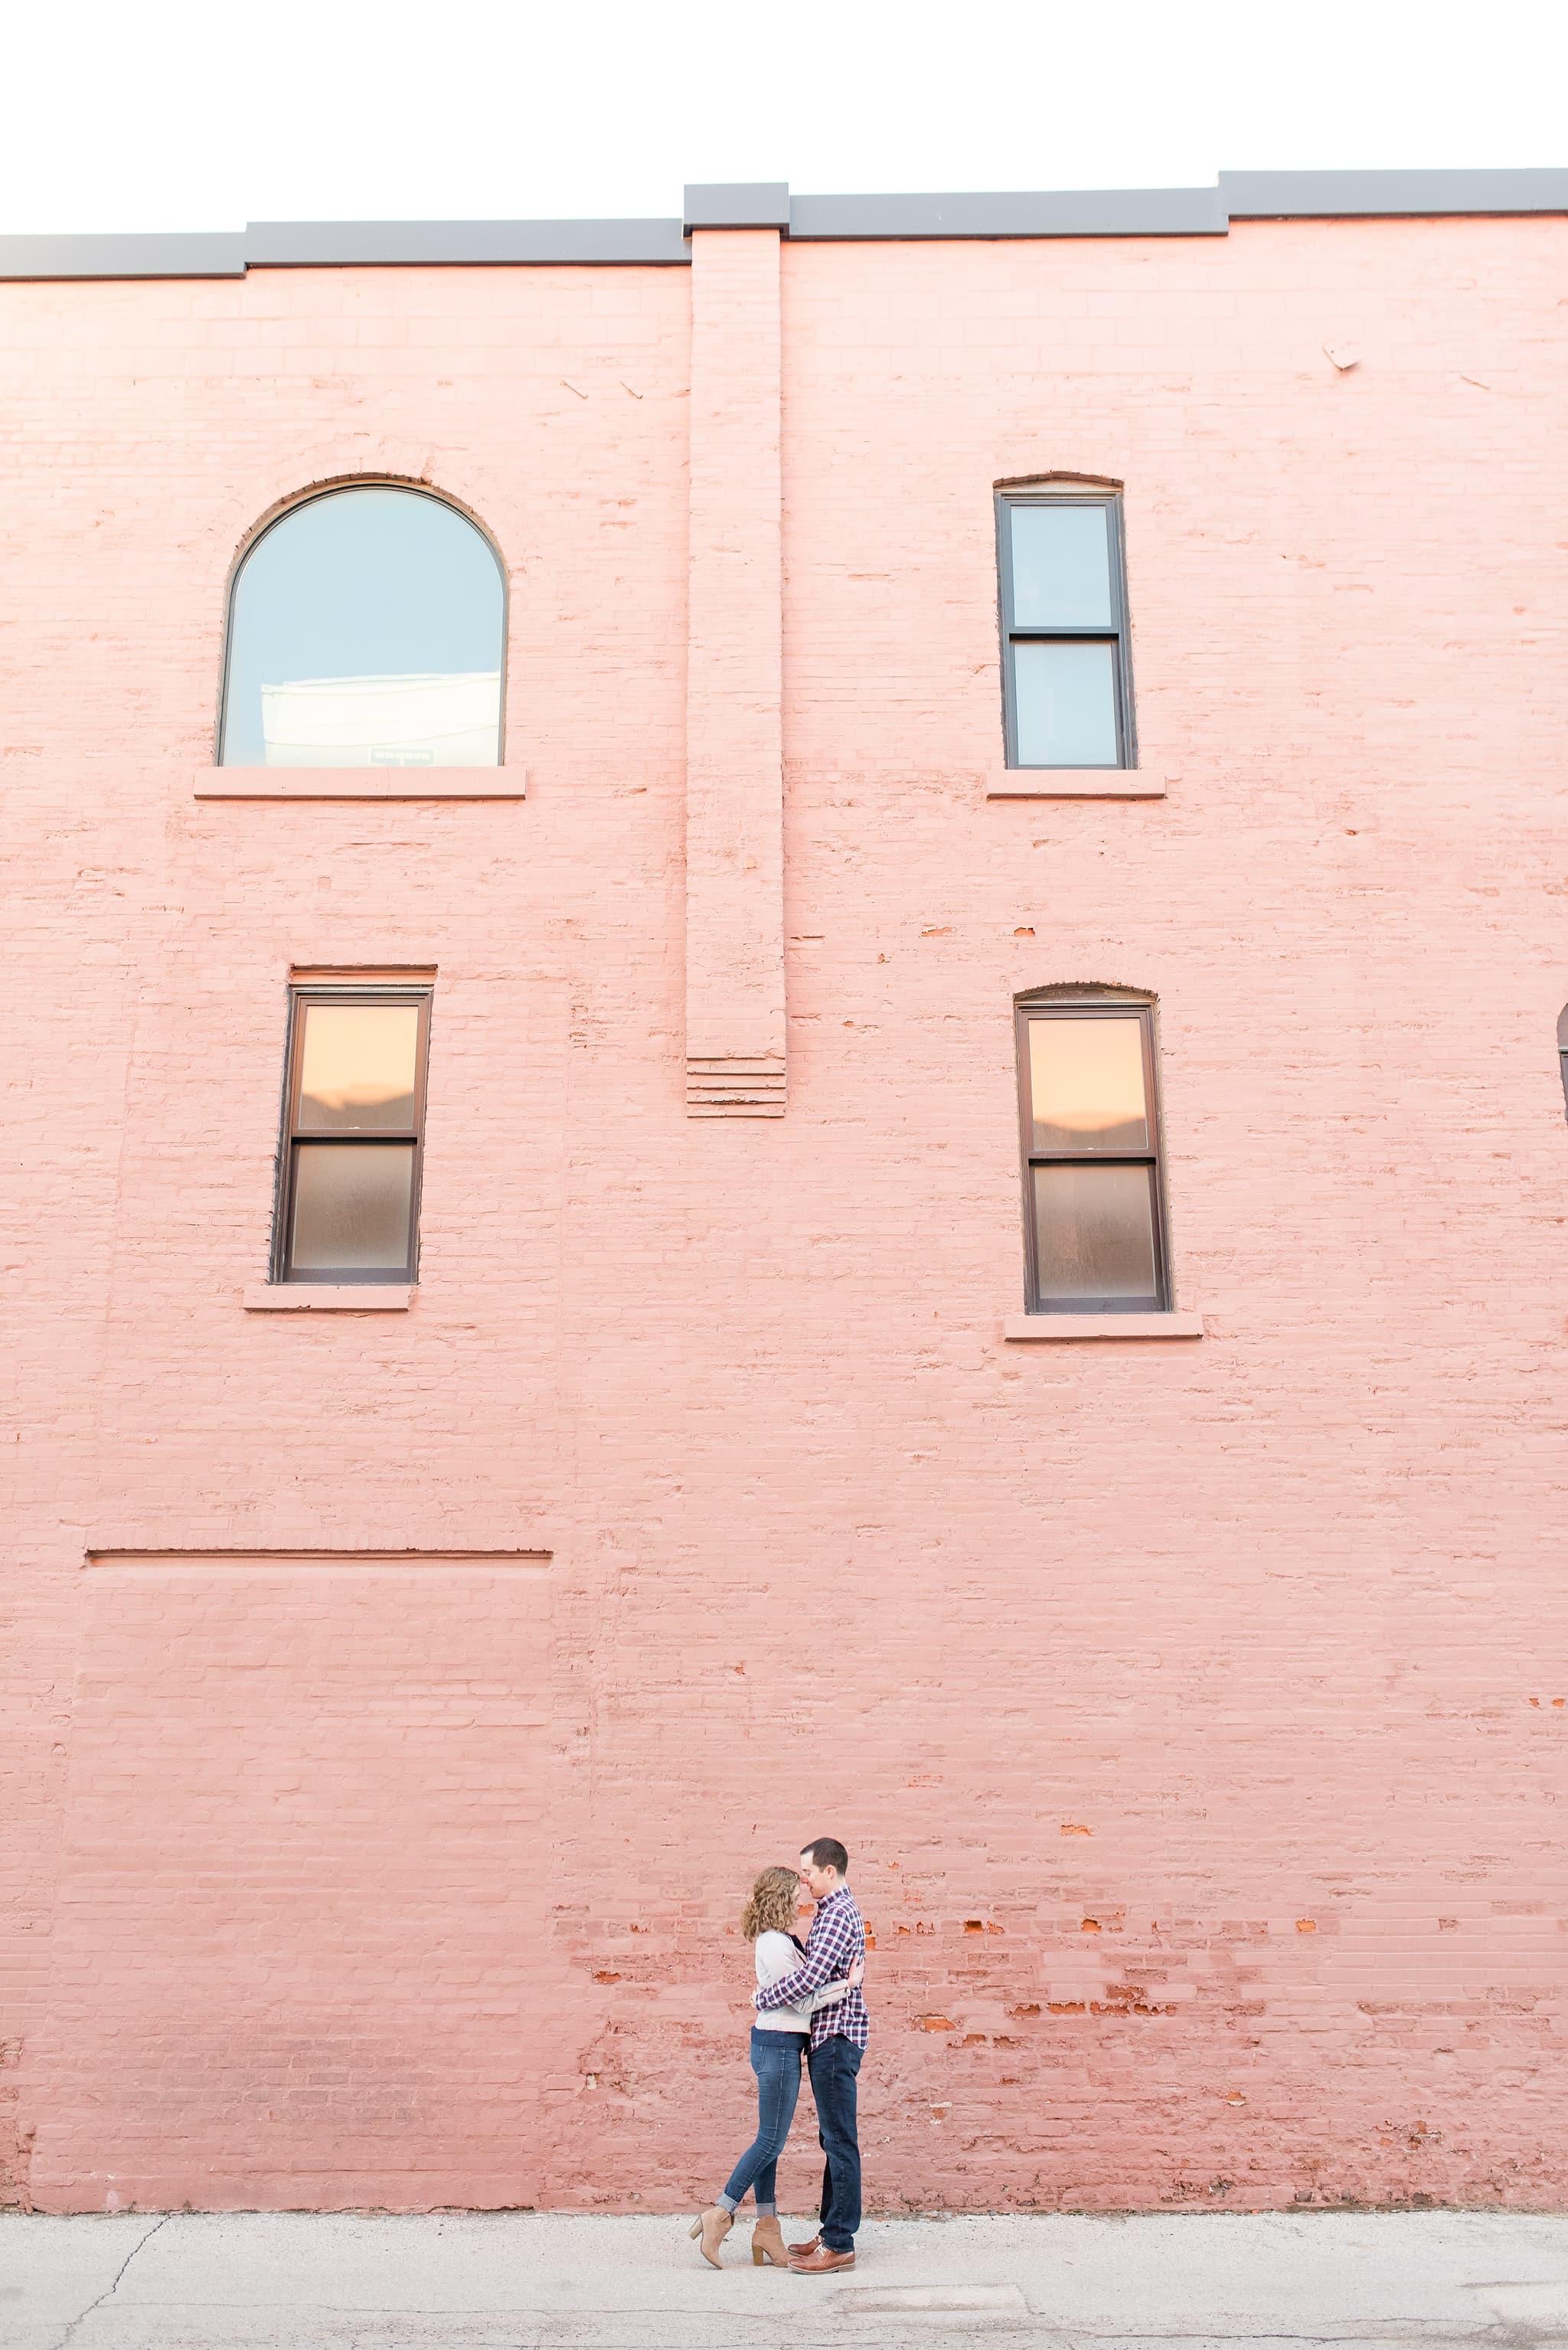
(833, 2066)
(775, 2061)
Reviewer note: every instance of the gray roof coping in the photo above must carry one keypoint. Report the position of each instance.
(1374, 196)
(767, 204)
(1088, 212)
(219, 255)
(738, 203)
(388, 245)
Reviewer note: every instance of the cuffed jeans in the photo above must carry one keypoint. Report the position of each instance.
(775, 2061)
(833, 2066)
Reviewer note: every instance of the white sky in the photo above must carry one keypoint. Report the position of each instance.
(203, 114)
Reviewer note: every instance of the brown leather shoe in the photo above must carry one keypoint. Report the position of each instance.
(822, 2262)
(799, 2251)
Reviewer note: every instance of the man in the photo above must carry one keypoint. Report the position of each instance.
(838, 2036)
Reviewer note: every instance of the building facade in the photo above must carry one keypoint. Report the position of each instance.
(786, 1062)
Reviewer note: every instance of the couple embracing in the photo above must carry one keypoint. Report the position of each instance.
(808, 2004)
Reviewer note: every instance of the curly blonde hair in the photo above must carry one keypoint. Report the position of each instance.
(771, 1909)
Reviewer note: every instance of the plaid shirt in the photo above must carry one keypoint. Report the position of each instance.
(838, 1937)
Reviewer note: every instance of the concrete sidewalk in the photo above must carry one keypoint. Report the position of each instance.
(517, 2281)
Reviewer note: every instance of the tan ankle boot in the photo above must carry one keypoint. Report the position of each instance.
(768, 2244)
(712, 2225)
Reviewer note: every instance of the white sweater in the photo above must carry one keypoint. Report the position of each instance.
(777, 1956)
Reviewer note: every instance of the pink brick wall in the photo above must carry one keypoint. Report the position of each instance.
(1195, 1714)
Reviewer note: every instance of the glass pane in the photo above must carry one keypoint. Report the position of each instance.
(366, 632)
(1062, 567)
(358, 1068)
(351, 1206)
(1065, 697)
(1094, 1235)
(1085, 1084)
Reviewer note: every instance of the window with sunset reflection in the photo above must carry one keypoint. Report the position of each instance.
(358, 1065)
(1094, 1216)
(348, 1202)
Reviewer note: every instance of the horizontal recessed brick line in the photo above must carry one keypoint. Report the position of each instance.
(526, 1562)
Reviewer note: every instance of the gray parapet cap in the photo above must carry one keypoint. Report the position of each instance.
(738, 203)
(217, 255)
(1091, 211)
(767, 203)
(1371, 195)
(391, 244)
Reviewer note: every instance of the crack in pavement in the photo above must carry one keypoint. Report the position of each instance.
(580, 2330)
(113, 2287)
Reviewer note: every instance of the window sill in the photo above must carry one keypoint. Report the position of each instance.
(1102, 1326)
(351, 1297)
(361, 784)
(1075, 783)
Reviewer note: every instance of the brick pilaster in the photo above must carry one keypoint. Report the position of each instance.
(735, 846)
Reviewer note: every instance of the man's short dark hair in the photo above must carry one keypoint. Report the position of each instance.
(829, 1853)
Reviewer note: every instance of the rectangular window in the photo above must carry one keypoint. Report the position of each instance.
(1093, 1221)
(1066, 686)
(354, 1113)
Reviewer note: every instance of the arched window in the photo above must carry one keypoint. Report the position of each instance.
(1563, 1047)
(367, 629)
(1088, 1096)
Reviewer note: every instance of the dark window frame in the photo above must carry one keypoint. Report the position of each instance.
(286, 512)
(1027, 1010)
(300, 998)
(1116, 636)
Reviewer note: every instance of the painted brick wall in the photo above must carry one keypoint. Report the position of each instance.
(1195, 1714)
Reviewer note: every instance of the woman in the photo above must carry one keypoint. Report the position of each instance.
(779, 2035)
